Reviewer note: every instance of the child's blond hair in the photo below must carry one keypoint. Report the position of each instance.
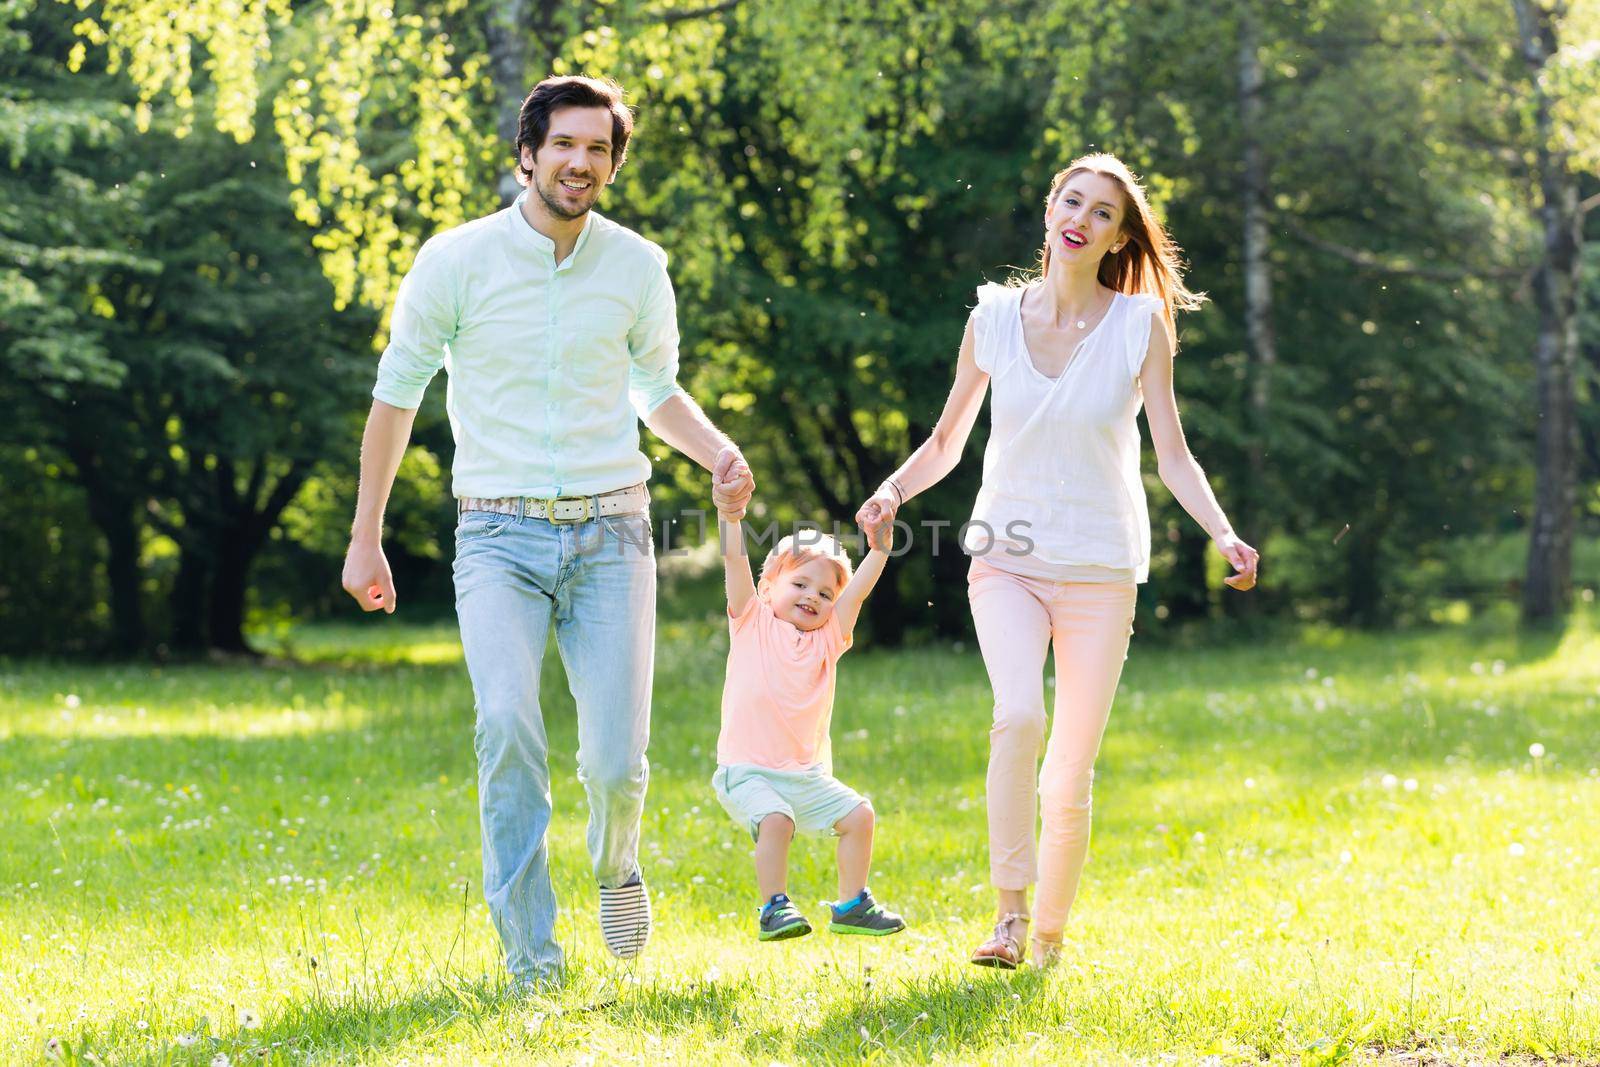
(794, 551)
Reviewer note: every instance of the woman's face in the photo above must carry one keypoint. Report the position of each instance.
(1084, 220)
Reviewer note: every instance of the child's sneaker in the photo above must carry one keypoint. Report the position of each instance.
(866, 916)
(781, 920)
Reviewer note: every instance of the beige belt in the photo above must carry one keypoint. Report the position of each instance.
(562, 510)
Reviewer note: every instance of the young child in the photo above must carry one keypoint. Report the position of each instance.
(774, 767)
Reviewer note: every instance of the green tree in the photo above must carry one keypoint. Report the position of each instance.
(172, 337)
(237, 364)
(832, 179)
(1505, 94)
(1354, 339)
(59, 246)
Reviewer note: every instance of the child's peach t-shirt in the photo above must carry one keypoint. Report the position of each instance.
(777, 700)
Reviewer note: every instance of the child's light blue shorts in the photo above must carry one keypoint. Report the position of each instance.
(813, 799)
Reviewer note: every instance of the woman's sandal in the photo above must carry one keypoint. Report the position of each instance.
(1004, 949)
(1044, 952)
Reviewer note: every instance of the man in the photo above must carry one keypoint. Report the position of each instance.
(551, 319)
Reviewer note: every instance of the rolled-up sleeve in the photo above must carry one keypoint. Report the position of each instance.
(424, 322)
(653, 344)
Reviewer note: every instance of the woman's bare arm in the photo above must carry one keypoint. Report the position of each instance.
(1179, 470)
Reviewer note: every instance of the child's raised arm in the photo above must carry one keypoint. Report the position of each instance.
(735, 561)
(735, 565)
(848, 607)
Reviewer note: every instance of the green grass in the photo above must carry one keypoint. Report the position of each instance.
(1331, 849)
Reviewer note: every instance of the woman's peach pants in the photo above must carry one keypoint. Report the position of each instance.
(1018, 619)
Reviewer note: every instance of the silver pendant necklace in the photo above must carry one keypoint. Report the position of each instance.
(1082, 323)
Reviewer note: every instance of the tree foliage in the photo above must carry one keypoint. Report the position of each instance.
(172, 348)
(1357, 185)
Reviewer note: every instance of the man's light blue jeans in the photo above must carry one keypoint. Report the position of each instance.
(596, 580)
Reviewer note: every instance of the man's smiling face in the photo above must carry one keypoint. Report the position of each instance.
(574, 162)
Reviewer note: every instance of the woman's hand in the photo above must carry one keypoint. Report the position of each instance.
(1244, 559)
(877, 515)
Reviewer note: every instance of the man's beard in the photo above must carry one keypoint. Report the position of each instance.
(554, 205)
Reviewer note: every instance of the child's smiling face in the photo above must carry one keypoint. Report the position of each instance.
(803, 595)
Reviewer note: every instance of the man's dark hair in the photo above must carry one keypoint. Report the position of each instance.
(553, 94)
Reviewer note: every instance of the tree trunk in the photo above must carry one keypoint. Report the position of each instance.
(510, 50)
(1589, 430)
(524, 38)
(235, 547)
(121, 531)
(1547, 592)
(113, 514)
(1250, 504)
(885, 611)
(1189, 598)
(229, 594)
(1364, 604)
(952, 614)
(1262, 339)
(191, 598)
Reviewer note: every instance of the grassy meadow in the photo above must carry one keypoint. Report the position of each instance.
(1332, 848)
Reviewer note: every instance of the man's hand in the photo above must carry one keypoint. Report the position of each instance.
(367, 576)
(732, 484)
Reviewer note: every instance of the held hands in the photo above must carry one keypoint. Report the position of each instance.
(1244, 559)
(732, 484)
(880, 537)
(367, 577)
(876, 517)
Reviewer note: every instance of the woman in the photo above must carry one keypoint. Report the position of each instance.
(1060, 533)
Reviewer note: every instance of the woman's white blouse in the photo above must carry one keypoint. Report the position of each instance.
(1061, 469)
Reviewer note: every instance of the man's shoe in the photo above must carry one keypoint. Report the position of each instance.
(866, 916)
(781, 920)
(625, 917)
(537, 985)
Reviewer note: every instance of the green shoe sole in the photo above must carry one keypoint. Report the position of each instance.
(861, 931)
(784, 933)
